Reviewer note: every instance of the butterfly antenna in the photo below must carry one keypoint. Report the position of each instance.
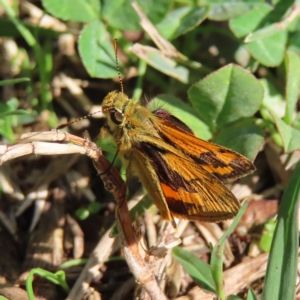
(117, 64)
(63, 125)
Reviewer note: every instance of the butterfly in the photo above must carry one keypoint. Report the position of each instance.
(184, 175)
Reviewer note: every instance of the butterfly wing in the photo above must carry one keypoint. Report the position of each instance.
(225, 164)
(179, 187)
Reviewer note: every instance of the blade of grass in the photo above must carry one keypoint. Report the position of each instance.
(280, 281)
(14, 81)
(29, 38)
(292, 65)
(15, 112)
(58, 278)
(198, 269)
(73, 263)
(141, 73)
(216, 261)
(45, 71)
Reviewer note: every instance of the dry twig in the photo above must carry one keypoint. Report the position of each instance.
(39, 145)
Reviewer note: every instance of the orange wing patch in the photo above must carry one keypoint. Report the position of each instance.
(179, 186)
(198, 195)
(191, 206)
(225, 164)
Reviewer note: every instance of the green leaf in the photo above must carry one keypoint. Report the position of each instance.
(120, 13)
(243, 25)
(7, 119)
(157, 60)
(270, 50)
(6, 131)
(75, 10)
(269, 24)
(266, 45)
(294, 42)
(251, 295)
(107, 144)
(14, 112)
(196, 268)
(292, 65)
(244, 137)
(297, 121)
(273, 100)
(221, 10)
(225, 96)
(172, 21)
(263, 33)
(289, 135)
(267, 235)
(94, 207)
(181, 20)
(233, 297)
(82, 213)
(96, 51)
(182, 111)
(280, 280)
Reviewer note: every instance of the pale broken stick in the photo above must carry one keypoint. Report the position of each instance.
(163, 44)
(39, 145)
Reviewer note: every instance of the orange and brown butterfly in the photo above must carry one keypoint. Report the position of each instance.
(184, 175)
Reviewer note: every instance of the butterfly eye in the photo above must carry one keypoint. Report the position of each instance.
(116, 116)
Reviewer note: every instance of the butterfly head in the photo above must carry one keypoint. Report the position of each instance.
(114, 105)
